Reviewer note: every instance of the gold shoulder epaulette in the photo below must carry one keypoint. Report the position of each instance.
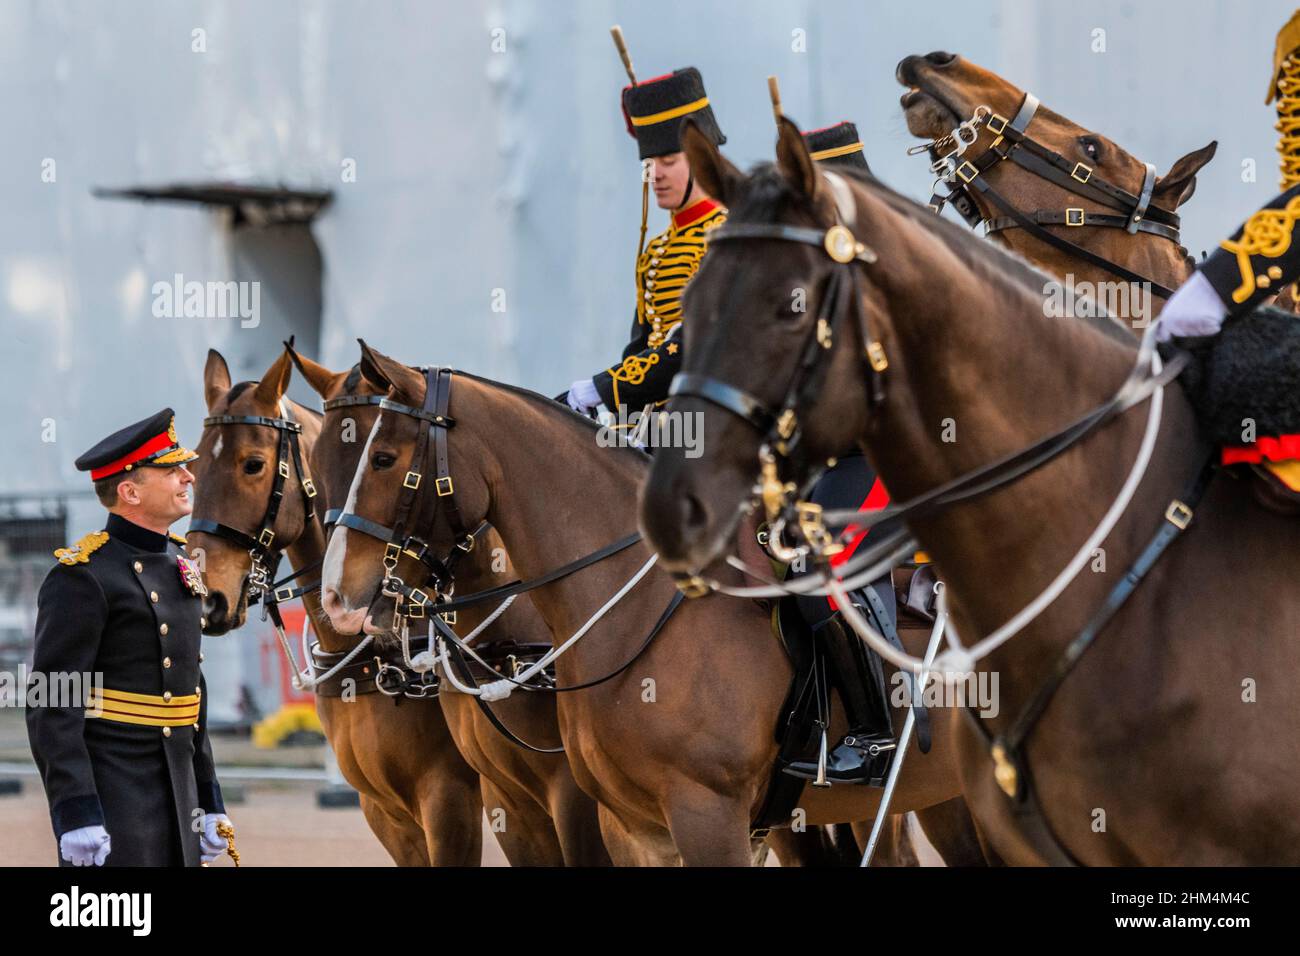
(178, 539)
(80, 552)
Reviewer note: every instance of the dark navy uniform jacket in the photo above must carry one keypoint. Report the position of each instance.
(136, 760)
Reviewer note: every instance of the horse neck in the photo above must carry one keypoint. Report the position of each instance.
(555, 496)
(1156, 259)
(978, 371)
(308, 550)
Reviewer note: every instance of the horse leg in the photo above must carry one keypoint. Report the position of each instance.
(894, 847)
(814, 846)
(639, 848)
(451, 813)
(952, 832)
(709, 829)
(402, 838)
(577, 824)
(524, 829)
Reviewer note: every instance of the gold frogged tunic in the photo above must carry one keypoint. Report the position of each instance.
(652, 358)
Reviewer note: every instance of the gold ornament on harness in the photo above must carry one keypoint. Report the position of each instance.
(693, 587)
(773, 491)
(814, 530)
(1004, 771)
(840, 244)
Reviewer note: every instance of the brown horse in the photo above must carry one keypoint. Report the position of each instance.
(678, 745)
(418, 794)
(539, 814)
(945, 89)
(1128, 758)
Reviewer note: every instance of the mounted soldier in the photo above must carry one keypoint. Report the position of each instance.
(862, 755)
(127, 767)
(1243, 385)
(655, 111)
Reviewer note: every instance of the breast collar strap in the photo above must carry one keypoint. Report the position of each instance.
(968, 177)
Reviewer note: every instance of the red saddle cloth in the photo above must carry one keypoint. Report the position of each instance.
(1276, 461)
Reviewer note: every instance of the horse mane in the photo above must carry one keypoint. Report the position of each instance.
(237, 390)
(553, 407)
(767, 193)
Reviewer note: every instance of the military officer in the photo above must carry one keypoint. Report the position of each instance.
(128, 768)
(655, 111)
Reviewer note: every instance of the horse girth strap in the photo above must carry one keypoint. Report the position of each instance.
(1138, 215)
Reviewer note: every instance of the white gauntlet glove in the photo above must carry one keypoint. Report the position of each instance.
(87, 846)
(583, 396)
(211, 845)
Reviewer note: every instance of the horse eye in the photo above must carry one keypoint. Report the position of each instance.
(379, 461)
(253, 466)
(1090, 146)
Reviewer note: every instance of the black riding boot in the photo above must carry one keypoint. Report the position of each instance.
(863, 754)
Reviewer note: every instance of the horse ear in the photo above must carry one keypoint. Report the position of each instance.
(378, 369)
(793, 159)
(1177, 186)
(370, 369)
(321, 379)
(275, 382)
(216, 378)
(713, 171)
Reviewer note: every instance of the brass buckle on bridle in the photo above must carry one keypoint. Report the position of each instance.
(771, 489)
(813, 529)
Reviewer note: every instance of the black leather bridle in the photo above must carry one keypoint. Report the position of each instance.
(264, 555)
(968, 177)
(780, 427)
(434, 423)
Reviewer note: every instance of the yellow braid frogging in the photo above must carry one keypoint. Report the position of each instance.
(1288, 120)
(1267, 233)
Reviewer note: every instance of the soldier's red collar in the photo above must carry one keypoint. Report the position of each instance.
(694, 212)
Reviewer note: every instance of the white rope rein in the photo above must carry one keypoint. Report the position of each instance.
(958, 661)
(501, 689)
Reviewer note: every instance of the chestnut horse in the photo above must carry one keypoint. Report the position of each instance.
(419, 796)
(677, 745)
(1129, 757)
(946, 89)
(547, 820)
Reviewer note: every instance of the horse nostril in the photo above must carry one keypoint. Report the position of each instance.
(215, 610)
(940, 58)
(695, 516)
(330, 601)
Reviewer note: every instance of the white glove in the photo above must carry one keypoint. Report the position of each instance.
(211, 845)
(583, 396)
(87, 846)
(1195, 309)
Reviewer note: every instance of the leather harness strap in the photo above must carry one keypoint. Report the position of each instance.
(1011, 763)
(1012, 143)
(261, 546)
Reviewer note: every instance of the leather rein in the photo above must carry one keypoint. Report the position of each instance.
(412, 601)
(1134, 213)
(1008, 749)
